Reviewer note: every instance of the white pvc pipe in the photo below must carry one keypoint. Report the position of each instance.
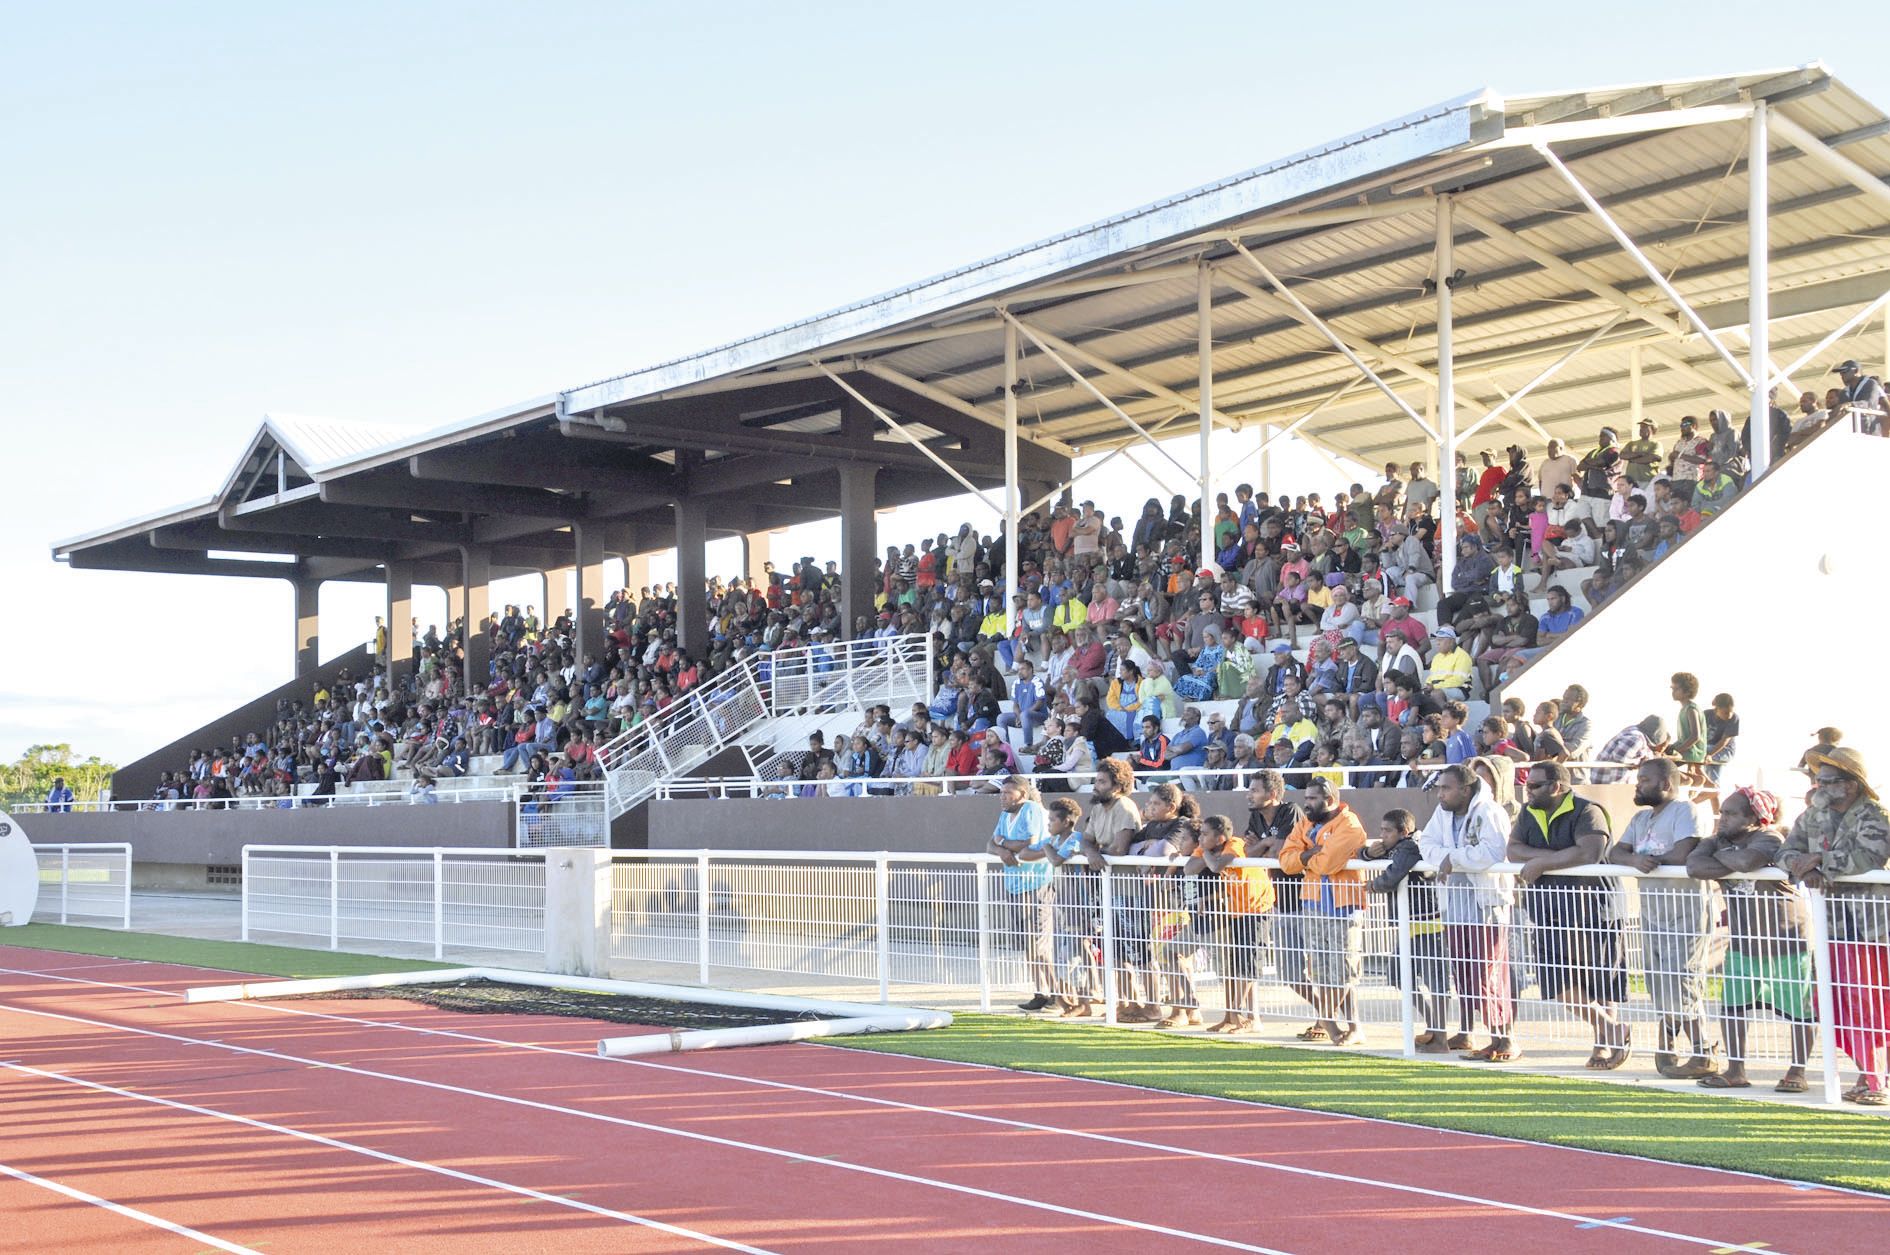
(327, 984)
(767, 1034)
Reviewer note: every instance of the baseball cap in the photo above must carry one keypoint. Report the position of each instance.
(1282, 648)
(1446, 630)
(1401, 601)
(1847, 366)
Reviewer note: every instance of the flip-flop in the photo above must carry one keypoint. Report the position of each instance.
(1718, 1080)
(1314, 1033)
(1871, 1098)
(1787, 1085)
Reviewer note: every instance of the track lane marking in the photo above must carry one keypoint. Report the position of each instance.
(1576, 1218)
(384, 1156)
(600, 1117)
(130, 1213)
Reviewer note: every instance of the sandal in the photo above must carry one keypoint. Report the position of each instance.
(1350, 1037)
(1427, 1038)
(1613, 1059)
(1491, 1054)
(1855, 1093)
(1719, 1080)
(1786, 1085)
(1871, 1098)
(1458, 1041)
(1313, 1033)
(1598, 1061)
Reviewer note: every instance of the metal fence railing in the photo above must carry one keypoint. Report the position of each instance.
(420, 903)
(570, 813)
(1751, 968)
(86, 883)
(1692, 973)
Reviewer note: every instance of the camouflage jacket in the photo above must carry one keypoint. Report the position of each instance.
(1856, 841)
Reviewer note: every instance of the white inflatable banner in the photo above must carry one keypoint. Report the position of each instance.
(19, 874)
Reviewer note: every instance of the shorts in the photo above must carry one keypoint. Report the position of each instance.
(1241, 937)
(1780, 982)
(1335, 952)
(1578, 944)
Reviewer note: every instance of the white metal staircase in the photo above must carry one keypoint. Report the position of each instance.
(815, 679)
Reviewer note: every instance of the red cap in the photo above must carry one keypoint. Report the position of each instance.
(1401, 601)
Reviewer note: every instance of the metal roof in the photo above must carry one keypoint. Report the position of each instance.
(1341, 227)
(1348, 229)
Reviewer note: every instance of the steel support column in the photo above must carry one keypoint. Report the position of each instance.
(1204, 332)
(399, 618)
(1758, 290)
(308, 624)
(692, 578)
(475, 573)
(859, 543)
(1012, 491)
(1446, 404)
(588, 557)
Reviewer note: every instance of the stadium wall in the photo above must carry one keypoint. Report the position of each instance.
(1775, 602)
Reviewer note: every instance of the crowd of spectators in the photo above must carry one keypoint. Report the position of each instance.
(1299, 609)
(1485, 936)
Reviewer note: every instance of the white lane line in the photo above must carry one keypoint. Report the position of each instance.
(1034, 1127)
(130, 1213)
(384, 1156)
(622, 1121)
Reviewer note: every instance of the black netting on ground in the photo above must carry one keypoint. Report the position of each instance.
(489, 997)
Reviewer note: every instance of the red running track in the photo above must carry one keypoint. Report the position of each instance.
(383, 1125)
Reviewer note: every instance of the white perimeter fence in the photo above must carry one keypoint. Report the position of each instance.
(84, 884)
(1660, 953)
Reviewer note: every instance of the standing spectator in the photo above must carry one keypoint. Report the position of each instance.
(1271, 819)
(1430, 969)
(1557, 469)
(1629, 748)
(1843, 832)
(1580, 958)
(1865, 396)
(1642, 456)
(1109, 828)
(1327, 837)
(1689, 741)
(1675, 925)
(1767, 962)
(1722, 742)
(1467, 834)
(1021, 842)
(1235, 902)
(59, 797)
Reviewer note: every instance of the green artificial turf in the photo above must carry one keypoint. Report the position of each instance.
(228, 956)
(1833, 1148)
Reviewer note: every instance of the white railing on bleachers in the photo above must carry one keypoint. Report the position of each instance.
(845, 675)
(84, 883)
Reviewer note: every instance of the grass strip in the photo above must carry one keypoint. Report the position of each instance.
(228, 956)
(1825, 1147)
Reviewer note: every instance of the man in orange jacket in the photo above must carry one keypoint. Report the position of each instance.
(1332, 903)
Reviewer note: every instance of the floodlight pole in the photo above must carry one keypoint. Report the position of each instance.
(1758, 290)
(1446, 405)
(1012, 515)
(1204, 322)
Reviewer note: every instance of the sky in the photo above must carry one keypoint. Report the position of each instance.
(415, 212)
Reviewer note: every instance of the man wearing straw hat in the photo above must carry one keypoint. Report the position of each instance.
(1845, 832)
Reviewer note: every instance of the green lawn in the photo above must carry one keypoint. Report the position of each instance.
(1835, 1148)
(229, 956)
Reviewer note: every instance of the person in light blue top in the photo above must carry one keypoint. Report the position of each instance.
(1027, 696)
(1022, 843)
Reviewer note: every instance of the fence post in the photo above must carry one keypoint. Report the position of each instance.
(334, 899)
(981, 871)
(882, 892)
(1817, 909)
(244, 876)
(127, 899)
(1108, 947)
(439, 905)
(65, 880)
(1407, 985)
(702, 919)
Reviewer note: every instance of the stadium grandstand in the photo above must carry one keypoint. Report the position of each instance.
(1497, 743)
